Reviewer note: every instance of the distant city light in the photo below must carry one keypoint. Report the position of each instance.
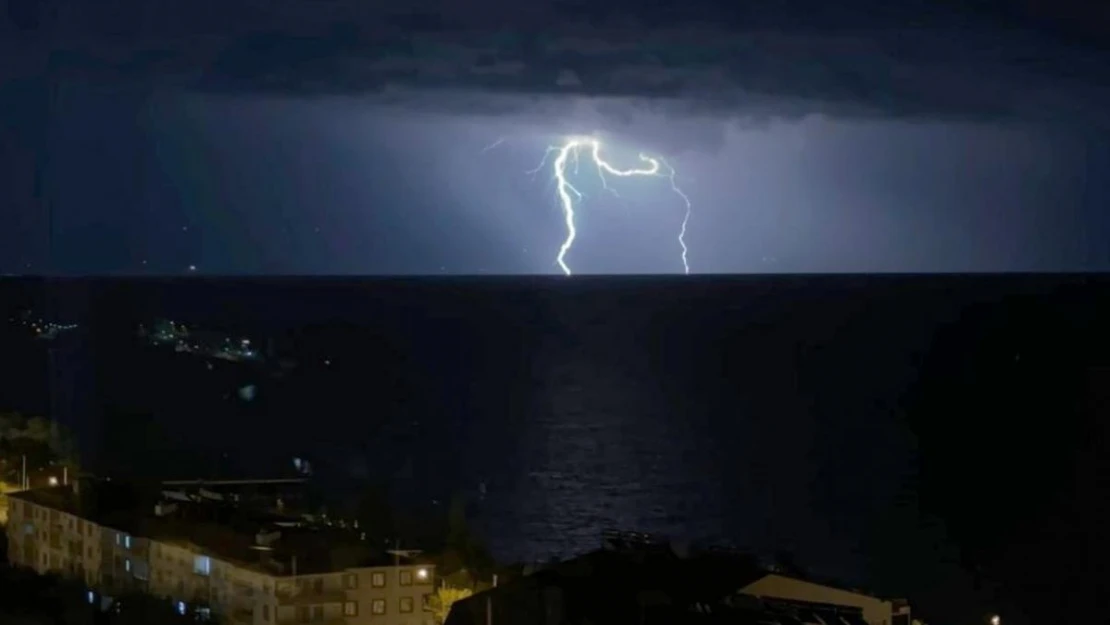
(248, 393)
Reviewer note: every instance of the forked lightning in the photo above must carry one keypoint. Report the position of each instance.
(569, 152)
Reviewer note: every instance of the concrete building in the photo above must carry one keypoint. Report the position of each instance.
(875, 611)
(247, 567)
(636, 580)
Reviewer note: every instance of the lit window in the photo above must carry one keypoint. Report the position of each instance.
(350, 608)
(377, 580)
(127, 541)
(181, 608)
(378, 606)
(92, 597)
(202, 565)
(406, 604)
(350, 581)
(127, 565)
(406, 578)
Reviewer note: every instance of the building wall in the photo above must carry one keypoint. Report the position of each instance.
(173, 573)
(875, 611)
(391, 588)
(46, 540)
(184, 573)
(21, 548)
(124, 561)
(303, 598)
(113, 561)
(352, 595)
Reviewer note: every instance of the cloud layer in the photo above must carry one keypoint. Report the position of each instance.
(856, 60)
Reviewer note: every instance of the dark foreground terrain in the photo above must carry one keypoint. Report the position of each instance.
(942, 436)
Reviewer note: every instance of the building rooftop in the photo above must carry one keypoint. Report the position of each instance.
(106, 503)
(639, 580)
(613, 585)
(263, 540)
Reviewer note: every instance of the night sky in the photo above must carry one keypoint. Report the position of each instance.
(276, 137)
(224, 138)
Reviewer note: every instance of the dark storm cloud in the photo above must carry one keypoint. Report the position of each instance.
(862, 59)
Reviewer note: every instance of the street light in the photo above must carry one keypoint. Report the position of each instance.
(996, 620)
(54, 482)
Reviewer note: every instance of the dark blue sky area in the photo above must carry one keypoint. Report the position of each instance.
(236, 185)
(352, 140)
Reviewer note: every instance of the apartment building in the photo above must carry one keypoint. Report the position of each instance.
(278, 574)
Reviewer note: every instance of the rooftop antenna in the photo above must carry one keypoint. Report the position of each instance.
(399, 553)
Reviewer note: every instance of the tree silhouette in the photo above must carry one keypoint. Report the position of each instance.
(464, 551)
(443, 598)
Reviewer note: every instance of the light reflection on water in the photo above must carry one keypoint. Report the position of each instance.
(560, 413)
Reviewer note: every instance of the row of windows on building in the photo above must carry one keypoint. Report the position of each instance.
(76, 525)
(53, 518)
(405, 577)
(378, 607)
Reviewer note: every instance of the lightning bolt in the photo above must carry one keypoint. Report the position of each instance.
(493, 145)
(570, 151)
(671, 173)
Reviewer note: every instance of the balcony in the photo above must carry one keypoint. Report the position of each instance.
(309, 596)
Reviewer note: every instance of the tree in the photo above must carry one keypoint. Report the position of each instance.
(27, 598)
(38, 429)
(787, 563)
(464, 550)
(39, 441)
(443, 598)
(374, 512)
